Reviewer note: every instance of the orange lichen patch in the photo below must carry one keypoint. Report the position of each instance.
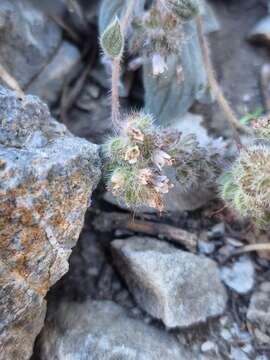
(24, 229)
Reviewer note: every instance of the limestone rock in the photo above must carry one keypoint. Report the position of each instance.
(28, 39)
(175, 286)
(46, 179)
(104, 331)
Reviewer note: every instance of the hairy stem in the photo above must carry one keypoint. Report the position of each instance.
(116, 68)
(234, 123)
(10, 81)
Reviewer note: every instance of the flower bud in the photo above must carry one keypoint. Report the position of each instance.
(261, 127)
(112, 40)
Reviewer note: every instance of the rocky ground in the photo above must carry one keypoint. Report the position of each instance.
(140, 285)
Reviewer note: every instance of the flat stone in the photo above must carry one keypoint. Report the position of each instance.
(46, 181)
(240, 277)
(49, 83)
(175, 286)
(104, 331)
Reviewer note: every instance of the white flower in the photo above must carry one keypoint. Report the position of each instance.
(132, 154)
(161, 158)
(159, 64)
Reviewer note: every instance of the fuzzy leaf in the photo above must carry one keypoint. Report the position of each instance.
(112, 40)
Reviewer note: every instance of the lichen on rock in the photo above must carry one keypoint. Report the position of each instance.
(46, 179)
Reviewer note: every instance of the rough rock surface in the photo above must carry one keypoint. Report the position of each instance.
(177, 287)
(102, 330)
(46, 179)
(259, 313)
(28, 39)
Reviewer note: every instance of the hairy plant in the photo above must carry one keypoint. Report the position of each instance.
(134, 162)
(159, 32)
(246, 186)
(196, 165)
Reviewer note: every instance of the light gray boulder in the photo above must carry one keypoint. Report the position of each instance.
(46, 179)
(28, 39)
(102, 330)
(175, 286)
(49, 83)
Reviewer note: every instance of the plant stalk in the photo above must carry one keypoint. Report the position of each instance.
(231, 117)
(116, 69)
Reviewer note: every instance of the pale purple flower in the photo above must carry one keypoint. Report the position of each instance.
(161, 158)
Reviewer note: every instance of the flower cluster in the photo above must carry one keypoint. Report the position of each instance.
(196, 165)
(261, 127)
(135, 160)
(159, 33)
(246, 187)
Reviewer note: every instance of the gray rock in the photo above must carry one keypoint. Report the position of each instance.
(206, 247)
(240, 277)
(175, 286)
(48, 84)
(28, 39)
(261, 31)
(46, 179)
(104, 331)
(259, 313)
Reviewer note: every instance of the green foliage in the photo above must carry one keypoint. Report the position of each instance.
(246, 120)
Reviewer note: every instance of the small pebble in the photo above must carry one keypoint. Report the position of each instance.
(217, 231)
(208, 346)
(206, 247)
(238, 354)
(240, 277)
(226, 334)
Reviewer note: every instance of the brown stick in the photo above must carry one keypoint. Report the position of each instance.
(253, 247)
(112, 221)
(232, 119)
(10, 81)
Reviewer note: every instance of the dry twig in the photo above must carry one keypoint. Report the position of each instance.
(234, 123)
(113, 221)
(10, 81)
